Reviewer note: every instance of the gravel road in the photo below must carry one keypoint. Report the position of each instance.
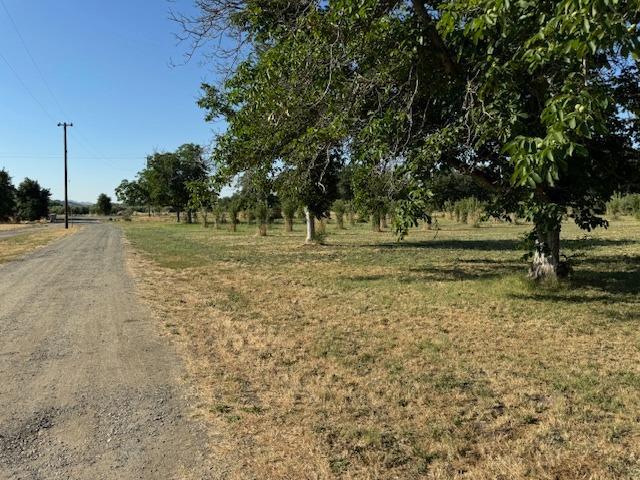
(88, 388)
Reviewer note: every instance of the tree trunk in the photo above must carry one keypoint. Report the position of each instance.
(546, 263)
(288, 224)
(383, 221)
(375, 222)
(149, 210)
(178, 216)
(189, 217)
(204, 217)
(233, 226)
(311, 226)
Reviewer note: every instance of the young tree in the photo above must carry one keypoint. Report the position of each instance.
(256, 192)
(32, 200)
(233, 206)
(203, 197)
(373, 189)
(7, 197)
(339, 208)
(104, 205)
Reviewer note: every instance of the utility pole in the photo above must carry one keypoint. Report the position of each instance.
(66, 198)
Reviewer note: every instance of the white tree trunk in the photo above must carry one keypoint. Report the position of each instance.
(311, 226)
(546, 258)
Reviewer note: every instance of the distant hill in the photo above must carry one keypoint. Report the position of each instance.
(72, 203)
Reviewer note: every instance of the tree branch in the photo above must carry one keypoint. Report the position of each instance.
(450, 65)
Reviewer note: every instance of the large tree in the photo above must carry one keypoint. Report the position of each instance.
(168, 173)
(32, 200)
(530, 99)
(134, 193)
(104, 205)
(7, 197)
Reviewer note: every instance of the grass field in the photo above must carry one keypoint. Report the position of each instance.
(29, 240)
(430, 358)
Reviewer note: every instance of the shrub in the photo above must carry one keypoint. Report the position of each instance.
(631, 204)
(614, 206)
(469, 210)
(624, 205)
(449, 209)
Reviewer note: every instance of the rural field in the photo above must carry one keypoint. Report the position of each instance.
(433, 357)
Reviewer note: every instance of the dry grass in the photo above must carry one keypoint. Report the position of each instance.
(31, 239)
(12, 226)
(432, 358)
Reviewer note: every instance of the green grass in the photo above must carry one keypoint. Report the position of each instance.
(372, 358)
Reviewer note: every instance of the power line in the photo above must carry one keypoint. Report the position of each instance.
(83, 157)
(27, 89)
(35, 64)
(79, 137)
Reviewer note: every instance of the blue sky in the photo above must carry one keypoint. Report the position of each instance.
(105, 66)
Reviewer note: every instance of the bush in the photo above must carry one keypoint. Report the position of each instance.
(614, 206)
(631, 204)
(624, 205)
(449, 209)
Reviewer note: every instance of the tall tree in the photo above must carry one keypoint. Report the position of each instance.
(168, 173)
(7, 196)
(203, 196)
(32, 200)
(104, 205)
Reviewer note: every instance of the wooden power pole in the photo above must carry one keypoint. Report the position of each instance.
(66, 198)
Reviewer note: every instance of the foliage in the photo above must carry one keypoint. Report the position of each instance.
(340, 209)
(373, 188)
(164, 180)
(103, 205)
(525, 97)
(232, 206)
(469, 210)
(203, 196)
(7, 197)
(133, 193)
(32, 200)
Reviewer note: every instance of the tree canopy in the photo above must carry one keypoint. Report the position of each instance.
(165, 180)
(32, 200)
(104, 205)
(536, 101)
(7, 196)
